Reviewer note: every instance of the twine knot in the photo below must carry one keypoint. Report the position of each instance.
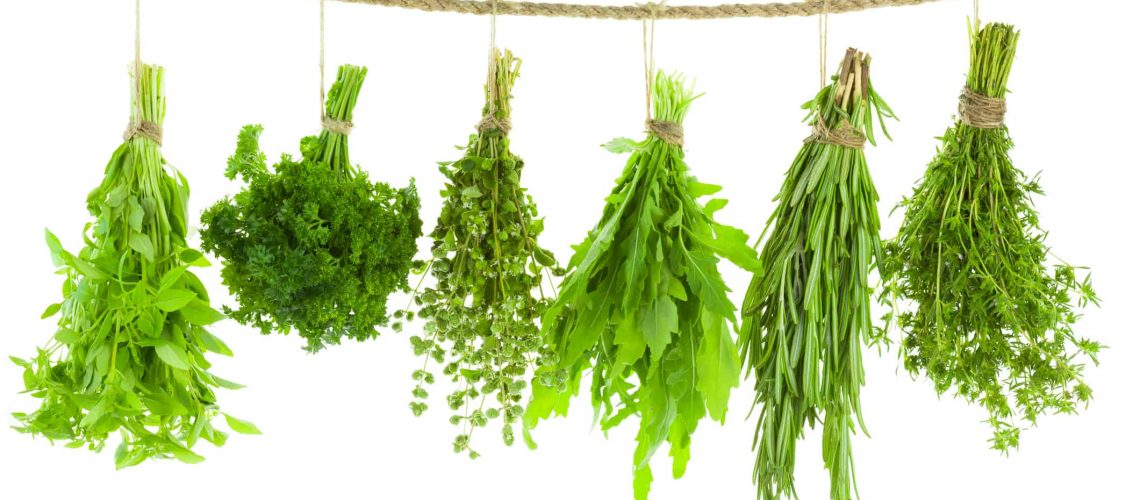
(670, 132)
(845, 135)
(980, 110)
(336, 126)
(143, 128)
(492, 122)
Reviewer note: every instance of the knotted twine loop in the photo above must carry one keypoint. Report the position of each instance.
(845, 135)
(336, 126)
(491, 122)
(980, 110)
(670, 132)
(143, 128)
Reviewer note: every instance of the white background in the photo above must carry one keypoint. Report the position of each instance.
(337, 424)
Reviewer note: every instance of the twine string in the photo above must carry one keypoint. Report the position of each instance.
(824, 21)
(138, 126)
(328, 123)
(670, 132)
(491, 120)
(979, 110)
(845, 135)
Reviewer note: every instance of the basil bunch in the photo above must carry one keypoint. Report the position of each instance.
(129, 353)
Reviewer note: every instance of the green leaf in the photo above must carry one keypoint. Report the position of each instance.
(198, 312)
(706, 283)
(718, 365)
(241, 426)
(142, 244)
(57, 252)
(658, 324)
(173, 299)
(212, 343)
(172, 355)
(621, 145)
(51, 310)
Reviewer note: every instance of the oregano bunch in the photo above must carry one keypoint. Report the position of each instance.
(314, 245)
(643, 314)
(985, 313)
(481, 316)
(807, 316)
(128, 356)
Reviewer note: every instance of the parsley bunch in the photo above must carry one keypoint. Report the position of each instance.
(314, 245)
(986, 316)
(129, 353)
(643, 312)
(482, 315)
(807, 316)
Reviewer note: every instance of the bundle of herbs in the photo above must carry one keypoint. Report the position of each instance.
(807, 316)
(481, 316)
(314, 245)
(644, 309)
(982, 312)
(129, 353)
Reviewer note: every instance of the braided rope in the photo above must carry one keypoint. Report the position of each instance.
(643, 11)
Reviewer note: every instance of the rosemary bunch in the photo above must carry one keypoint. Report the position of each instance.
(986, 316)
(314, 245)
(482, 314)
(807, 316)
(129, 353)
(644, 313)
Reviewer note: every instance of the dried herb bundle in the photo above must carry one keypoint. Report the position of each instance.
(807, 316)
(482, 315)
(314, 245)
(644, 308)
(129, 353)
(985, 315)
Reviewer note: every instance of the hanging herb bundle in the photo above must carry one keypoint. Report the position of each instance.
(807, 316)
(129, 353)
(644, 308)
(314, 245)
(481, 317)
(985, 315)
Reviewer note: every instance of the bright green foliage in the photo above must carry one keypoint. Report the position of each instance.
(129, 353)
(985, 316)
(644, 308)
(314, 245)
(807, 316)
(482, 315)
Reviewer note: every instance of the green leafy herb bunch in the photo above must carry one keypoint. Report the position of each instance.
(314, 245)
(129, 352)
(984, 312)
(643, 313)
(808, 315)
(481, 316)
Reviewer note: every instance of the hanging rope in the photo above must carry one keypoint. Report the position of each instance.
(670, 132)
(639, 12)
(137, 126)
(824, 21)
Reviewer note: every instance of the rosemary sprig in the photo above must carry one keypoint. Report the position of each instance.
(807, 316)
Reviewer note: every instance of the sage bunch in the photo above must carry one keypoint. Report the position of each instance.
(129, 353)
(481, 316)
(986, 311)
(643, 315)
(807, 316)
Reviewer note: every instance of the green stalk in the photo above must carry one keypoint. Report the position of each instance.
(983, 313)
(807, 316)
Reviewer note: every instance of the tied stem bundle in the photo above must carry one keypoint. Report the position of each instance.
(129, 353)
(481, 317)
(807, 316)
(314, 245)
(643, 312)
(982, 312)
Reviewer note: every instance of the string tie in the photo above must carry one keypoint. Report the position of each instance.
(143, 128)
(336, 126)
(845, 135)
(980, 110)
(670, 132)
(492, 122)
